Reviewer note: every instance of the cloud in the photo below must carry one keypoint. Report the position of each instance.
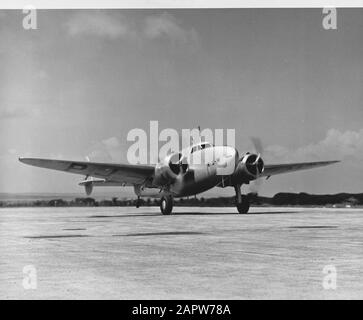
(41, 75)
(166, 25)
(99, 23)
(112, 142)
(336, 145)
(150, 27)
(109, 149)
(15, 113)
(9, 153)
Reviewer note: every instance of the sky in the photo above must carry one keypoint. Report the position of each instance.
(76, 86)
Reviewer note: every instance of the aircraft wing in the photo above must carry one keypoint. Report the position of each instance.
(124, 174)
(273, 169)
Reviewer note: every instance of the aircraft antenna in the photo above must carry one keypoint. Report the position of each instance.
(200, 137)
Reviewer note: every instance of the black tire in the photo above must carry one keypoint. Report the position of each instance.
(244, 206)
(166, 205)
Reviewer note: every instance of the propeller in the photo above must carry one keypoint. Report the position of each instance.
(257, 144)
(256, 185)
(178, 163)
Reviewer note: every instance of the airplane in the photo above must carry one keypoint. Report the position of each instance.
(178, 174)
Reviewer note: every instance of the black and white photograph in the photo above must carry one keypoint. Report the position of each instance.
(181, 151)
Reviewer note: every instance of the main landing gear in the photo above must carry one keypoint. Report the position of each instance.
(138, 202)
(166, 204)
(242, 201)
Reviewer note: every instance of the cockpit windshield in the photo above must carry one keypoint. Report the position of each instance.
(205, 146)
(201, 147)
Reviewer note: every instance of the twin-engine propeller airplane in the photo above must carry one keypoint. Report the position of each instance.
(179, 174)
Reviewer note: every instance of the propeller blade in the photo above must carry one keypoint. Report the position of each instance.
(257, 144)
(257, 184)
(256, 161)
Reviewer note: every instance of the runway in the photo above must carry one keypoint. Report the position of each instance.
(197, 253)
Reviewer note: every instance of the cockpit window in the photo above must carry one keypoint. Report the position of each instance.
(196, 148)
(201, 147)
(205, 146)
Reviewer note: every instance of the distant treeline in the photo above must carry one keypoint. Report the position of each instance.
(280, 199)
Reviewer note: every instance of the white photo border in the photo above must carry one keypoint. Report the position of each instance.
(175, 4)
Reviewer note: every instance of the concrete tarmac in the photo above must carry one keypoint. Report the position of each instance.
(197, 253)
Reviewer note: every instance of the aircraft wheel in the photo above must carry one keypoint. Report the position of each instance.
(244, 206)
(166, 205)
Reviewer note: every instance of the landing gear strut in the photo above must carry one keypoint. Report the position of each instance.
(242, 202)
(166, 205)
(138, 202)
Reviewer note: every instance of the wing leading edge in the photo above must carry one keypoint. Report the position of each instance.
(125, 174)
(274, 169)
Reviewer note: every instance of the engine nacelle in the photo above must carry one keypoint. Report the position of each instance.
(249, 167)
(167, 171)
